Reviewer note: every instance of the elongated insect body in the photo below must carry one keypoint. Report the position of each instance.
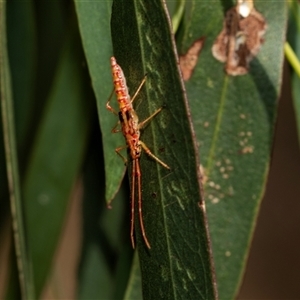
(120, 87)
(130, 128)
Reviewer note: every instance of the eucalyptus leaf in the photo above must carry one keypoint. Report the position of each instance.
(134, 286)
(21, 35)
(94, 24)
(12, 168)
(178, 265)
(234, 119)
(55, 161)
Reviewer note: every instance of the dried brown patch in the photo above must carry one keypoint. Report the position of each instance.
(188, 61)
(239, 40)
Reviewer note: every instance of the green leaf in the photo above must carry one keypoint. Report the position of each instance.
(134, 286)
(96, 279)
(176, 10)
(23, 258)
(178, 263)
(51, 30)
(94, 24)
(294, 39)
(234, 120)
(292, 58)
(56, 158)
(21, 35)
(4, 193)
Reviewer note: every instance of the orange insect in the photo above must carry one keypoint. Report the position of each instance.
(130, 128)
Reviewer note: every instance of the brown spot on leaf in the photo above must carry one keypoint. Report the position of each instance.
(162, 149)
(188, 61)
(239, 40)
(154, 195)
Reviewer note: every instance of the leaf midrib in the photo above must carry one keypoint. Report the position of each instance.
(217, 126)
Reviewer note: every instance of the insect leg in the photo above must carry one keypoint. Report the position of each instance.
(141, 124)
(138, 90)
(132, 202)
(115, 129)
(118, 152)
(138, 174)
(148, 151)
(108, 101)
